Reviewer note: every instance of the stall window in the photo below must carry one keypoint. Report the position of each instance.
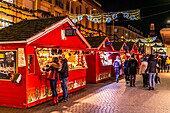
(31, 63)
(8, 63)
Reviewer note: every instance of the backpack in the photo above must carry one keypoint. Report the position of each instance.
(116, 64)
(132, 65)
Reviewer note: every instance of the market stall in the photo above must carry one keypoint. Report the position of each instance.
(27, 48)
(121, 50)
(133, 48)
(98, 58)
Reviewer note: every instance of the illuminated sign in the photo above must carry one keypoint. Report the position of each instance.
(70, 32)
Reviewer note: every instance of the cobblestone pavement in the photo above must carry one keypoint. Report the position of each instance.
(110, 97)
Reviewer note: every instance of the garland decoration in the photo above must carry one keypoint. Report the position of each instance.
(107, 17)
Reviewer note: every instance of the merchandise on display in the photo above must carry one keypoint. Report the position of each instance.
(76, 59)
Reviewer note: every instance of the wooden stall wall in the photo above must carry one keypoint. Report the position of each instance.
(91, 71)
(13, 94)
(102, 72)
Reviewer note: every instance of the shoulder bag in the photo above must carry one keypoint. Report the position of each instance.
(51, 75)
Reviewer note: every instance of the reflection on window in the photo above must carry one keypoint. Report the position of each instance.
(31, 64)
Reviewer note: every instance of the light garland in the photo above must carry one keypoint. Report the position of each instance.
(145, 40)
(107, 17)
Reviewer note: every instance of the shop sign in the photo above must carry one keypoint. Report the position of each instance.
(108, 43)
(21, 57)
(70, 32)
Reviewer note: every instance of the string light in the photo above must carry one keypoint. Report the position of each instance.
(107, 17)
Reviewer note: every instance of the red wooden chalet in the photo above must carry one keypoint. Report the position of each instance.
(98, 60)
(27, 47)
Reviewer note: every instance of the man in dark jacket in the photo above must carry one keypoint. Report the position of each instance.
(64, 78)
(132, 69)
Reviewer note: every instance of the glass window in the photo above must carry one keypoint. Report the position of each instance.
(10, 1)
(31, 63)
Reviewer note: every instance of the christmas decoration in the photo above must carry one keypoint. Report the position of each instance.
(107, 17)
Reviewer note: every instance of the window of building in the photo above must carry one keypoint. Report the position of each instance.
(31, 64)
(28, 4)
(87, 10)
(80, 9)
(59, 3)
(57, 13)
(77, 10)
(44, 8)
(50, 1)
(10, 1)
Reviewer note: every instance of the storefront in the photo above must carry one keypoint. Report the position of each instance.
(99, 60)
(27, 48)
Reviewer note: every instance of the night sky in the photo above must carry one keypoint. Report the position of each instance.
(152, 11)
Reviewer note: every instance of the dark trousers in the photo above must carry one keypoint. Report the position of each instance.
(127, 77)
(64, 88)
(53, 84)
(145, 80)
(132, 79)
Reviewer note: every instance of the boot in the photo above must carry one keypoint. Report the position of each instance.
(53, 101)
(56, 99)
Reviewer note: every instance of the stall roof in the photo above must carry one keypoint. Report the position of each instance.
(130, 45)
(117, 45)
(96, 42)
(30, 31)
(27, 28)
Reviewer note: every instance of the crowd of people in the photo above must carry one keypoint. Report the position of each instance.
(149, 68)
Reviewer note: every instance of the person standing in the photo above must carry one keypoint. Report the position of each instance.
(152, 72)
(64, 78)
(54, 68)
(125, 69)
(117, 67)
(142, 71)
(132, 69)
(167, 63)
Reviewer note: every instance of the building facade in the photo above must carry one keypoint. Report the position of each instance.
(122, 33)
(13, 11)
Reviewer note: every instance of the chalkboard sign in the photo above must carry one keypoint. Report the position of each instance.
(7, 63)
(70, 32)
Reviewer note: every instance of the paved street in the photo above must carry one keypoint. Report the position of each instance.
(110, 97)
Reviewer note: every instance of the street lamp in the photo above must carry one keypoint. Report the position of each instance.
(70, 6)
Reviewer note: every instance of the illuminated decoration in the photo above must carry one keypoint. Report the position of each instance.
(108, 20)
(74, 20)
(89, 17)
(108, 17)
(114, 16)
(80, 17)
(95, 20)
(144, 40)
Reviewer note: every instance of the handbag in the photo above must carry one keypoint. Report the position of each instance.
(51, 75)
